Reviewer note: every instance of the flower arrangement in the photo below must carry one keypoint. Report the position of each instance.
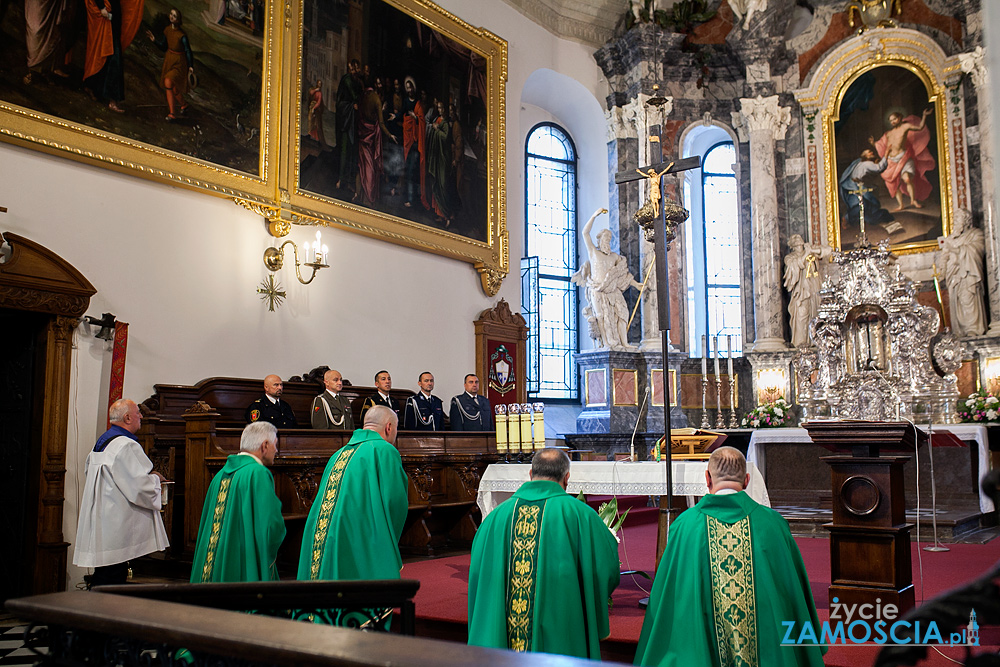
(769, 415)
(981, 406)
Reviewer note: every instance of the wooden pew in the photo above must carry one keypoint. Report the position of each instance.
(189, 444)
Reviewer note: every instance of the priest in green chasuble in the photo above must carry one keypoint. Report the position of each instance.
(355, 522)
(730, 575)
(241, 523)
(543, 568)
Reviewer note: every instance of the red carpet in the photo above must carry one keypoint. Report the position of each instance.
(444, 583)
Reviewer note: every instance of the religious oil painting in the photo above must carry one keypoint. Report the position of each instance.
(888, 157)
(169, 88)
(399, 118)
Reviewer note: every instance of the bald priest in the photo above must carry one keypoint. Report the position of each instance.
(542, 570)
(730, 576)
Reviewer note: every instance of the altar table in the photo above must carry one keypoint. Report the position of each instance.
(612, 478)
(964, 432)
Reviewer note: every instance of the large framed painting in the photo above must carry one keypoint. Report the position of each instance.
(890, 159)
(181, 91)
(399, 131)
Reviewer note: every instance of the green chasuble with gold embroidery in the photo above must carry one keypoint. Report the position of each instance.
(542, 570)
(241, 525)
(355, 522)
(731, 573)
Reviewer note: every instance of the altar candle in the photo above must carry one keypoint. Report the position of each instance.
(729, 350)
(500, 422)
(539, 426)
(716, 341)
(704, 356)
(514, 427)
(526, 442)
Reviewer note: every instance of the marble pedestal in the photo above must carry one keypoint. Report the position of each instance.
(622, 389)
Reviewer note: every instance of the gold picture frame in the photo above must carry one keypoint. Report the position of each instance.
(881, 88)
(254, 156)
(205, 146)
(460, 87)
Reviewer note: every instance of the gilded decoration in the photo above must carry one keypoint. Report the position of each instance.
(217, 517)
(255, 129)
(905, 76)
(522, 574)
(733, 600)
(457, 74)
(326, 509)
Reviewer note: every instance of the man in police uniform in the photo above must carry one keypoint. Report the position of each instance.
(383, 383)
(424, 411)
(469, 410)
(331, 409)
(270, 407)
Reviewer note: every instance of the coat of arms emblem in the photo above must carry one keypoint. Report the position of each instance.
(501, 371)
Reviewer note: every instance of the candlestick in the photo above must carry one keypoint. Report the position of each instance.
(704, 394)
(719, 421)
(716, 356)
(704, 356)
(733, 423)
(729, 355)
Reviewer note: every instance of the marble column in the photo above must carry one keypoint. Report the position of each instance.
(761, 121)
(975, 65)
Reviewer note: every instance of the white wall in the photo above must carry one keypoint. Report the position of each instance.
(182, 269)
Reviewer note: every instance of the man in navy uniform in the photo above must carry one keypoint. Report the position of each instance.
(469, 410)
(331, 409)
(424, 411)
(270, 407)
(383, 383)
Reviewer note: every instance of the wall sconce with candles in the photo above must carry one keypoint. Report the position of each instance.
(315, 253)
(771, 384)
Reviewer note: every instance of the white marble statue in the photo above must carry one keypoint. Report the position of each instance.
(606, 276)
(962, 257)
(635, 6)
(803, 282)
(745, 9)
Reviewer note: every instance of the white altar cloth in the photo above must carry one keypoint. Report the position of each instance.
(965, 432)
(612, 478)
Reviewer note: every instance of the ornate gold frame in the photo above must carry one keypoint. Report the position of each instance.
(275, 194)
(492, 258)
(821, 95)
(935, 96)
(56, 136)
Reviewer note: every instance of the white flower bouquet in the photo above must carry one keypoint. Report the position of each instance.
(769, 415)
(981, 406)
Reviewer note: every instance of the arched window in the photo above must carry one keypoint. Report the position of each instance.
(713, 246)
(548, 298)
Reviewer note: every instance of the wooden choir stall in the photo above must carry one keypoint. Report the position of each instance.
(188, 431)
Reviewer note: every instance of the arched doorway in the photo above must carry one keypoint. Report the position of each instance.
(42, 297)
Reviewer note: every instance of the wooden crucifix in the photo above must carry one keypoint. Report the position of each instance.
(658, 217)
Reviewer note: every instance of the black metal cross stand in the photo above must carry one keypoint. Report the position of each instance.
(661, 245)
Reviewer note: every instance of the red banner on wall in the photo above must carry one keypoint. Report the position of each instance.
(118, 350)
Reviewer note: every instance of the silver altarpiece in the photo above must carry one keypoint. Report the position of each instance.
(873, 347)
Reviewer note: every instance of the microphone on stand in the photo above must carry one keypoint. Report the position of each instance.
(632, 456)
